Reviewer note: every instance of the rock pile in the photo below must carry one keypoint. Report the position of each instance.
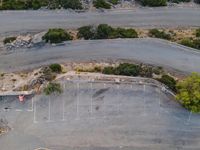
(20, 42)
(25, 41)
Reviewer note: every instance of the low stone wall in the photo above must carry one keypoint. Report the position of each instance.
(117, 79)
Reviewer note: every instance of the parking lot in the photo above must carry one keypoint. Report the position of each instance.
(103, 115)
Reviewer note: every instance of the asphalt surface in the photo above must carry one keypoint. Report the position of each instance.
(152, 51)
(21, 21)
(96, 116)
(101, 116)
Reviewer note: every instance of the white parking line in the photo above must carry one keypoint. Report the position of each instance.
(30, 110)
(189, 118)
(118, 106)
(144, 90)
(34, 112)
(63, 114)
(49, 112)
(91, 99)
(18, 110)
(77, 104)
(159, 101)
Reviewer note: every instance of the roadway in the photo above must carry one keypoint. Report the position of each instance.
(151, 51)
(22, 21)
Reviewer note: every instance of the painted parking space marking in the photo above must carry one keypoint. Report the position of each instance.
(101, 101)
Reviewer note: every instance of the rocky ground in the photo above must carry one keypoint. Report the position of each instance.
(130, 4)
(35, 80)
(4, 126)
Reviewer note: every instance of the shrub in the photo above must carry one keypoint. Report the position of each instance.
(132, 70)
(127, 69)
(197, 1)
(157, 70)
(114, 2)
(146, 71)
(53, 88)
(56, 36)
(159, 34)
(178, 1)
(86, 32)
(191, 43)
(198, 32)
(48, 75)
(104, 31)
(9, 40)
(101, 4)
(189, 93)
(36, 4)
(56, 68)
(187, 42)
(20, 4)
(197, 43)
(108, 70)
(124, 33)
(168, 81)
(153, 3)
(73, 4)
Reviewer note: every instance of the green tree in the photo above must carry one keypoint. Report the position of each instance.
(189, 92)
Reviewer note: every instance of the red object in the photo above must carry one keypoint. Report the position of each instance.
(21, 98)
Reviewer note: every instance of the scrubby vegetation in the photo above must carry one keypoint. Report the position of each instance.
(159, 34)
(197, 1)
(48, 75)
(76, 4)
(198, 32)
(101, 4)
(36, 4)
(9, 40)
(133, 70)
(156, 3)
(53, 88)
(20, 4)
(127, 69)
(56, 36)
(114, 2)
(143, 71)
(104, 31)
(189, 92)
(178, 1)
(153, 3)
(191, 43)
(55, 68)
(86, 32)
(169, 81)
